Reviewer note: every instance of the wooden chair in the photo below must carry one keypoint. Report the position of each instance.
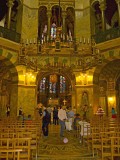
(96, 142)
(7, 152)
(24, 144)
(105, 147)
(115, 147)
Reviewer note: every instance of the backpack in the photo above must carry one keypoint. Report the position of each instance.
(47, 117)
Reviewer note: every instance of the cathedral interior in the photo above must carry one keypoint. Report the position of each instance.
(59, 52)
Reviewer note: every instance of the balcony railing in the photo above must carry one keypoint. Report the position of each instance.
(10, 35)
(107, 35)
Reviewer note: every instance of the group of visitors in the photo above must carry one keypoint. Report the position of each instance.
(62, 116)
(65, 117)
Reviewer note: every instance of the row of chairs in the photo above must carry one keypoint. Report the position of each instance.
(102, 137)
(19, 140)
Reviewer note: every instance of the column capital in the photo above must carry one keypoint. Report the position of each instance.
(102, 6)
(49, 13)
(10, 3)
(117, 1)
(64, 13)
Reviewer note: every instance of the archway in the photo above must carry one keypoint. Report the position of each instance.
(105, 79)
(8, 85)
(54, 88)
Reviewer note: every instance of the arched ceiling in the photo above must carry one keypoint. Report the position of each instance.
(110, 70)
(8, 71)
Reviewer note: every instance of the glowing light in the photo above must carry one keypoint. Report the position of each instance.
(110, 99)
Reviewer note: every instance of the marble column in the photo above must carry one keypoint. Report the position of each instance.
(10, 5)
(49, 25)
(64, 16)
(118, 3)
(75, 25)
(102, 8)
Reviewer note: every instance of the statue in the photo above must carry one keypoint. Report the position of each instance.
(84, 103)
(84, 100)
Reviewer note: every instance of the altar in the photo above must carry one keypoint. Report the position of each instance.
(53, 102)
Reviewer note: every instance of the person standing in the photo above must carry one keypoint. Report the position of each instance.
(55, 115)
(71, 115)
(20, 111)
(45, 121)
(49, 109)
(113, 112)
(62, 117)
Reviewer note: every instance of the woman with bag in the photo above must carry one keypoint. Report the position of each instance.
(113, 113)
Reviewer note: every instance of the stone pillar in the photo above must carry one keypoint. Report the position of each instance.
(9, 4)
(49, 25)
(118, 3)
(75, 24)
(64, 16)
(102, 8)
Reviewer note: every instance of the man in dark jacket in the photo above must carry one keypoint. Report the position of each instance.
(55, 115)
(45, 121)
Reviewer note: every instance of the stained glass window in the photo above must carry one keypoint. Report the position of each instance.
(62, 84)
(52, 87)
(52, 84)
(53, 31)
(42, 85)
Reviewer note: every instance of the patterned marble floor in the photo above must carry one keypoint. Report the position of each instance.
(53, 147)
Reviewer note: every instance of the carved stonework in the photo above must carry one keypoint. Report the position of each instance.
(30, 17)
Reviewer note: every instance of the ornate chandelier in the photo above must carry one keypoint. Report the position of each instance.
(80, 54)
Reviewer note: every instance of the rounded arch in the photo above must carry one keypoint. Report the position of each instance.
(104, 81)
(94, 2)
(70, 77)
(98, 69)
(8, 83)
(69, 80)
(7, 60)
(70, 20)
(42, 21)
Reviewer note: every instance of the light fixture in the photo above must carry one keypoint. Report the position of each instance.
(83, 50)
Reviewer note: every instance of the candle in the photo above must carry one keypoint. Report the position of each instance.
(88, 40)
(80, 40)
(44, 38)
(27, 41)
(84, 40)
(34, 40)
